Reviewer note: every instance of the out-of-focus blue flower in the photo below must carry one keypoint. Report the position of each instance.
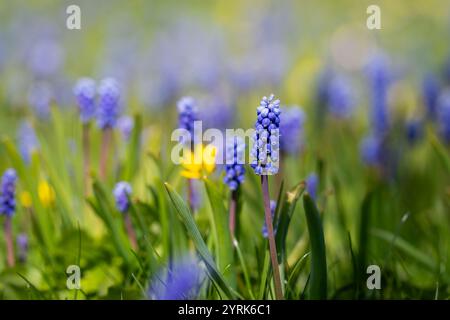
(28, 142)
(379, 79)
(292, 127)
(414, 130)
(85, 92)
(122, 193)
(40, 97)
(187, 114)
(125, 125)
(312, 183)
(265, 151)
(273, 206)
(234, 167)
(108, 107)
(181, 281)
(372, 150)
(217, 112)
(22, 244)
(340, 97)
(430, 92)
(45, 57)
(8, 192)
(443, 114)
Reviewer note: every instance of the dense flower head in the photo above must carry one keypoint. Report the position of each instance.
(265, 151)
(379, 79)
(292, 127)
(312, 183)
(85, 92)
(125, 125)
(46, 57)
(180, 281)
(273, 206)
(430, 92)
(234, 167)
(8, 192)
(108, 107)
(22, 244)
(443, 114)
(187, 114)
(372, 150)
(340, 97)
(28, 142)
(122, 193)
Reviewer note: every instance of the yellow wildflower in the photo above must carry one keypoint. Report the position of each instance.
(46, 194)
(25, 199)
(200, 162)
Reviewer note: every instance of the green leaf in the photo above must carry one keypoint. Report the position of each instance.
(318, 277)
(286, 213)
(222, 236)
(194, 233)
(133, 150)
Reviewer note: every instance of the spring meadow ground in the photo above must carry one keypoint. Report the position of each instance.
(337, 185)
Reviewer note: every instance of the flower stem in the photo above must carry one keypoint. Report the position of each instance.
(9, 242)
(106, 141)
(130, 231)
(271, 237)
(191, 194)
(86, 157)
(232, 221)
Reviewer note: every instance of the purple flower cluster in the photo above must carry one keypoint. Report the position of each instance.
(40, 97)
(122, 193)
(125, 124)
(292, 127)
(273, 206)
(181, 281)
(108, 108)
(8, 192)
(28, 141)
(414, 130)
(430, 92)
(340, 97)
(187, 114)
(85, 92)
(265, 151)
(443, 114)
(234, 168)
(372, 150)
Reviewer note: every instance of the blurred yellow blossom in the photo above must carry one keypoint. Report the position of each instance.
(200, 162)
(46, 194)
(25, 199)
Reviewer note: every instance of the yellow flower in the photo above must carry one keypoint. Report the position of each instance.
(25, 199)
(46, 194)
(200, 162)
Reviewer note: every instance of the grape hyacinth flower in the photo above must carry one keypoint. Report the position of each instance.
(430, 92)
(443, 114)
(273, 206)
(265, 150)
(85, 93)
(234, 175)
(292, 127)
(379, 79)
(28, 142)
(187, 115)
(7, 208)
(372, 150)
(22, 243)
(108, 107)
(340, 97)
(265, 159)
(312, 182)
(40, 97)
(122, 193)
(181, 281)
(125, 124)
(414, 130)
(108, 111)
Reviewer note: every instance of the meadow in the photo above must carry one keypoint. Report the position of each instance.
(345, 188)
